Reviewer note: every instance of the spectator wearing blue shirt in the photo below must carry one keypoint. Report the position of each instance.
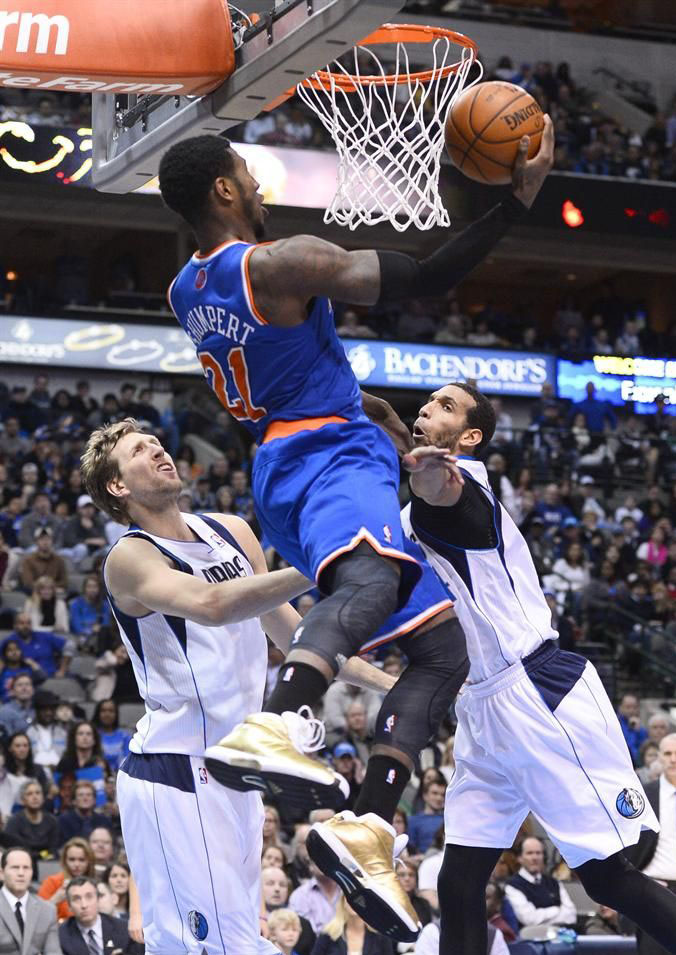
(550, 508)
(46, 649)
(423, 826)
(89, 612)
(14, 665)
(596, 413)
(114, 740)
(628, 713)
(17, 715)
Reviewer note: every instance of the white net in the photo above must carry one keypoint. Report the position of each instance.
(389, 135)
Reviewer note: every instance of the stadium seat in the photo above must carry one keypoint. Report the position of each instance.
(70, 691)
(48, 867)
(13, 600)
(83, 667)
(130, 714)
(584, 905)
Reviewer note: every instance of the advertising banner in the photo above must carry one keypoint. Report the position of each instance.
(426, 367)
(167, 350)
(619, 380)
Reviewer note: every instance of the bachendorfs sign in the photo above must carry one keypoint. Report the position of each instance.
(124, 46)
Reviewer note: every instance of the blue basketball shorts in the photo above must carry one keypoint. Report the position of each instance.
(320, 493)
(430, 596)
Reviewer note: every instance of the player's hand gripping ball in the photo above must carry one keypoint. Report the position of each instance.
(484, 127)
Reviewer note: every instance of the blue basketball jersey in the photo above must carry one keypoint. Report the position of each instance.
(261, 372)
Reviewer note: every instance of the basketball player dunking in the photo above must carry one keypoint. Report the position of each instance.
(186, 591)
(536, 730)
(325, 482)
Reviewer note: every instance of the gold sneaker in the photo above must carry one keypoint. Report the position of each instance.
(267, 752)
(358, 853)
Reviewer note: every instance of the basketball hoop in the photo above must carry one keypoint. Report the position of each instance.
(387, 123)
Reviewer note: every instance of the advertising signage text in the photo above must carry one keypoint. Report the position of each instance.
(424, 367)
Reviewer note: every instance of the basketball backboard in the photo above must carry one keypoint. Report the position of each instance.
(291, 41)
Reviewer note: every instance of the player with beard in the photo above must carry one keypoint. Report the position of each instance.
(325, 482)
(536, 730)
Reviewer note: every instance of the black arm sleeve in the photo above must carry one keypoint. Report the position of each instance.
(402, 276)
(468, 524)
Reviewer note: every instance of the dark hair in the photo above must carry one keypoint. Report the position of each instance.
(10, 759)
(96, 718)
(68, 761)
(481, 416)
(79, 881)
(16, 643)
(6, 853)
(188, 171)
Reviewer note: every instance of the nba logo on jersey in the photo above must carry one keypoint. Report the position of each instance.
(390, 722)
(201, 279)
(391, 776)
(387, 533)
(204, 779)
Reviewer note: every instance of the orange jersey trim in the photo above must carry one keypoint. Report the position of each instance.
(207, 255)
(365, 535)
(412, 624)
(285, 429)
(249, 289)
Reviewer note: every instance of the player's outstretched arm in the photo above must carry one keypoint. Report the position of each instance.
(286, 275)
(139, 578)
(435, 476)
(383, 414)
(281, 624)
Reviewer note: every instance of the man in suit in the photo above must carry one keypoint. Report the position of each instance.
(27, 924)
(655, 852)
(88, 932)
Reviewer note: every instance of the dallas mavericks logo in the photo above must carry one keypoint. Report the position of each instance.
(198, 925)
(630, 803)
(362, 361)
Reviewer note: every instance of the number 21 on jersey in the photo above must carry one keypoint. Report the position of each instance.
(240, 405)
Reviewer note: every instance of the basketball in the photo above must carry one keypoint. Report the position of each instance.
(484, 126)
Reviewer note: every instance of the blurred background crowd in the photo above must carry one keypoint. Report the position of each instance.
(605, 553)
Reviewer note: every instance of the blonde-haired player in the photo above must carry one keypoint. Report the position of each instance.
(186, 591)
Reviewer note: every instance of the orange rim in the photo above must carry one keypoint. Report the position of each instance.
(394, 33)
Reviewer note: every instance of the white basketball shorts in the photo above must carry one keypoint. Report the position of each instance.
(542, 736)
(194, 849)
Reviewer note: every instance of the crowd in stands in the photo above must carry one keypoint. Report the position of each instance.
(605, 325)
(45, 108)
(69, 698)
(587, 140)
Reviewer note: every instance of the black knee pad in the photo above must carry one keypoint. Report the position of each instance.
(415, 706)
(364, 590)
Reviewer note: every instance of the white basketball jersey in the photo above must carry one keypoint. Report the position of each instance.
(197, 682)
(499, 600)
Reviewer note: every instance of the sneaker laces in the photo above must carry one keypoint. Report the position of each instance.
(400, 843)
(306, 731)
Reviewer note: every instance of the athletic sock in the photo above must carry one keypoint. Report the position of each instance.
(298, 684)
(383, 787)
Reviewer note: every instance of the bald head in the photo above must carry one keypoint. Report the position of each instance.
(668, 756)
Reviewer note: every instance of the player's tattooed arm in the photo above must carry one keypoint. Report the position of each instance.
(286, 275)
(435, 476)
(141, 579)
(383, 414)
